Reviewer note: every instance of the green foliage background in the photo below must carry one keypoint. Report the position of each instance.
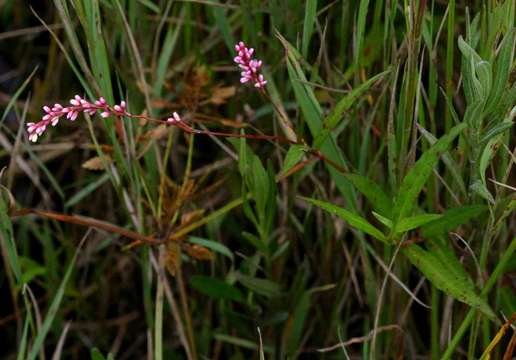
(383, 229)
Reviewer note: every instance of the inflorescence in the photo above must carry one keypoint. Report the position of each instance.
(251, 73)
(80, 105)
(251, 67)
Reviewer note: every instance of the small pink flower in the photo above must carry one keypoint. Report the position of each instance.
(251, 67)
(175, 119)
(120, 109)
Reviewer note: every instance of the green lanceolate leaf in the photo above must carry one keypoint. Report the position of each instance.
(294, 155)
(480, 189)
(349, 99)
(451, 165)
(450, 220)
(353, 219)
(502, 69)
(264, 287)
(413, 222)
(216, 288)
(448, 278)
(378, 198)
(496, 130)
(417, 176)
(387, 222)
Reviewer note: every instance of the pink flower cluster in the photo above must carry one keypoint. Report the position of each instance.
(77, 105)
(251, 67)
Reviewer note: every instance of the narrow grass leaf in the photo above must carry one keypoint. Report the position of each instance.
(353, 219)
(54, 307)
(95, 354)
(308, 24)
(297, 325)
(17, 94)
(87, 190)
(361, 22)
(244, 343)
(22, 348)
(222, 22)
(169, 44)
(7, 237)
(150, 5)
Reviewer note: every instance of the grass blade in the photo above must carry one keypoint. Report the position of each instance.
(54, 307)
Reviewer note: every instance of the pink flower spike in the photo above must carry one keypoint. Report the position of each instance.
(251, 67)
(52, 115)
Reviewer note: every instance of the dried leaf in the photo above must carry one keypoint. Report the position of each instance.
(172, 258)
(199, 252)
(201, 76)
(191, 216)
(97, 163)
(156, 133)
(221, 94)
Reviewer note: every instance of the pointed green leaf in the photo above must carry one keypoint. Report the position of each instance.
(215, 288)
(450, 220)
(353, 219)
(417, 176)
(385, 221)
(372, 191)
(413, 222)
(263, 287)
(439, 273)
(294, 155)
(308, 24)
(502, 69)
(347, 101)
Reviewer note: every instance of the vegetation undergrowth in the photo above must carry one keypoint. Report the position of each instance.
(257, 179)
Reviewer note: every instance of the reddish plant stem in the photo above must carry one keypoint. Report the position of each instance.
(87, 221)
